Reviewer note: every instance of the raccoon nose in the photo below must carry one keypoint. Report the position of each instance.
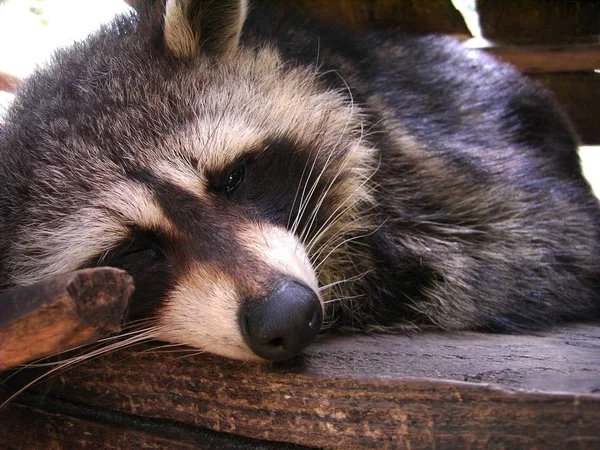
(281, 324)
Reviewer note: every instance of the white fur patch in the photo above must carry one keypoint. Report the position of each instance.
(202, 311)
(281, 251)
(179, 171)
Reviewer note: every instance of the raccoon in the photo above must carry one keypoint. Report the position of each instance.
(263, 177)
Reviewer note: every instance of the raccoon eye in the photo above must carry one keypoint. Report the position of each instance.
(156, 251)
(145, 241)
(235, 178)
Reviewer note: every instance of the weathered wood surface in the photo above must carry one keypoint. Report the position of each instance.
(62, 313)
(412, 16)
(60, 425)
(540, 21)
(430, 389)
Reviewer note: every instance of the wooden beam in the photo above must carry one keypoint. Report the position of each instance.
(411, 16)
(430, 389)
(540, 21)
(579, 94)
(61, 313)
(549, 59)
(71, 426)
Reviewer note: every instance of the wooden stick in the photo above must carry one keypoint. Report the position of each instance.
(9, 82)
(61, 313)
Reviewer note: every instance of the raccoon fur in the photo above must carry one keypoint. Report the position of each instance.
(263, 177)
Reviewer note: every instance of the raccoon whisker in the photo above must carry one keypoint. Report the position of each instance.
(302, 205)
(383, 117)
(333, 218)
(337, 73)
(351, 239)
(296, 195)
(317, 66)
(345, 280)
(159, 351)
(339, 238)
(97, 344)
(341, 299)
(143, 336)
(369, 191)
(134, 324)
(194, 353)
(344, 230)
(330, 222)
(335, 178)
(38, 362)
(313, 216)
(305, 201)
(99, 347)
(102, 257)
(171, 348)
(346, 227)
(316, 182)
(120, 335)
(329, 156)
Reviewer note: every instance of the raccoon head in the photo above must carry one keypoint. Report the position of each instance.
(223, 180)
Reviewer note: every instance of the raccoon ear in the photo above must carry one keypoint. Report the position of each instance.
(194, 26)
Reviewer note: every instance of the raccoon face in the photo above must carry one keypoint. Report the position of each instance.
(228, 208)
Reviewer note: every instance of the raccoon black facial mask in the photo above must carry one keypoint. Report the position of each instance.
(257, 192)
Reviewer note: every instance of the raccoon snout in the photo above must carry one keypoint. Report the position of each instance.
(284, 322)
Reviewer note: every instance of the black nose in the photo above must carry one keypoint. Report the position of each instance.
(281, 324)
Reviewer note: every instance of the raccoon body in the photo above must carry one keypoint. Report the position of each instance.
(262, 177)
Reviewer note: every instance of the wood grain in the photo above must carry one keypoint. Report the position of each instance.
(430, 389)
(540, 21)
(62, 425)
(61, 313)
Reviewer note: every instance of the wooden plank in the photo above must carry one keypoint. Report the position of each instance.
(412, 16)
(362, 391)
(540, 21)
(579, 94)
(58, 431)
(61, 313)
(67, 426)
(549, 58)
